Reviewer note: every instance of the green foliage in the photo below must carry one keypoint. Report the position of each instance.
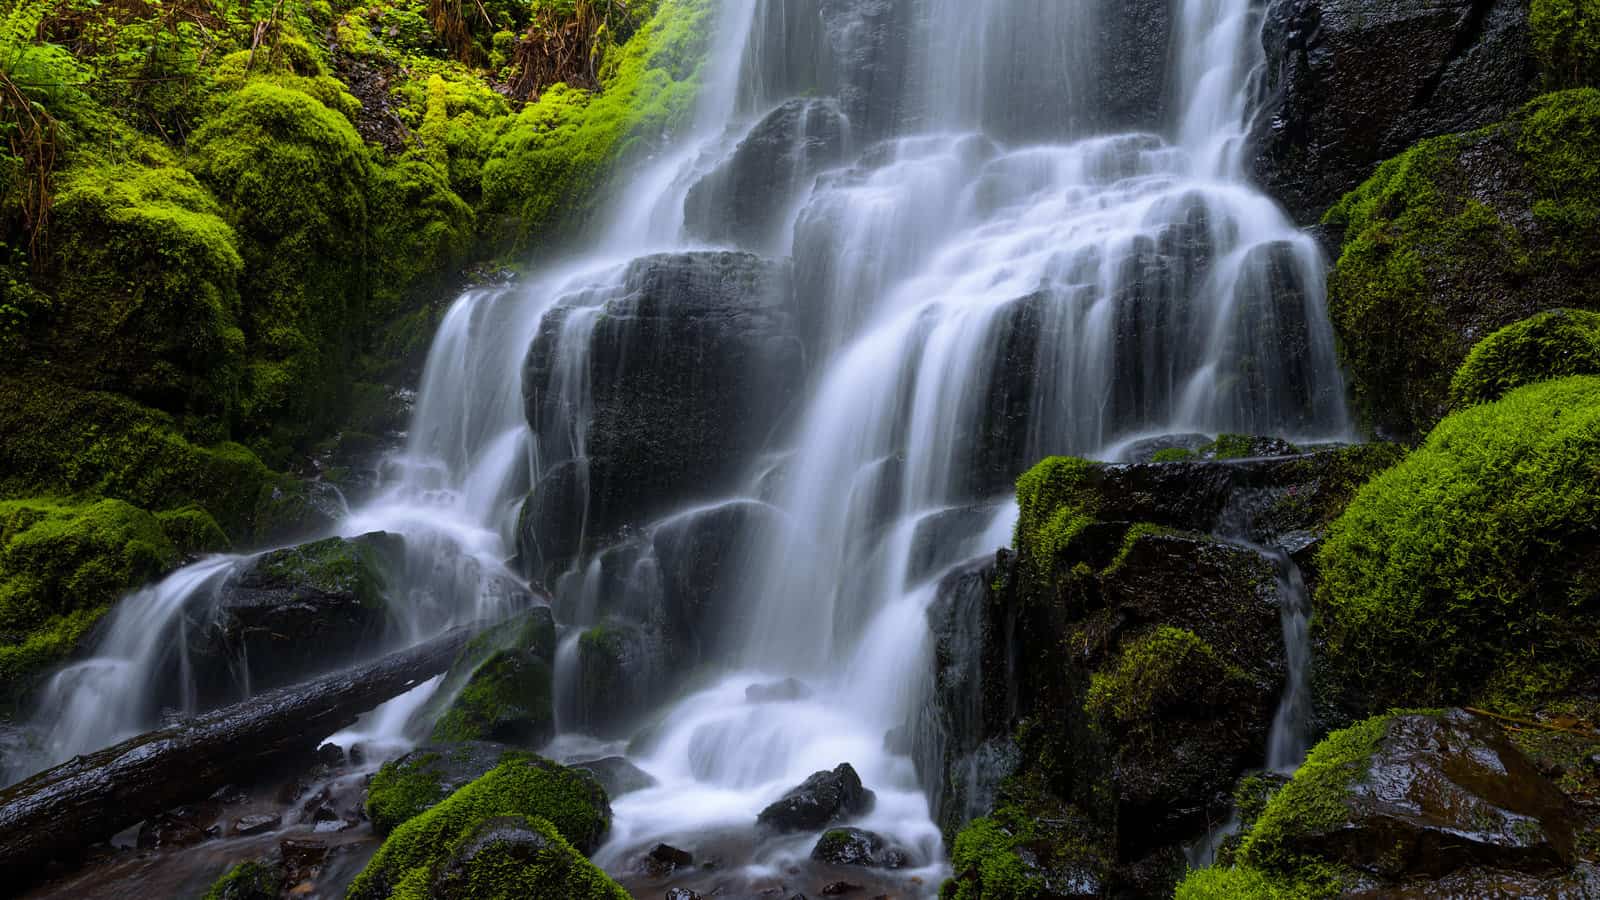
(547, 167)
(523, 785)
(1479, 546)
(1566, 39)
(294, 174)
(250, 880)
(61, 566)
(1165, 668)
(1054, 506)
(1548, 345)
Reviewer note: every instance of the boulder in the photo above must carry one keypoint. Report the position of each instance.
(855, 847)
(617, 775)
(500, 689)
(819, 801)
(623, 673)
(746, 199)
(292, 613)
(1354, 82)
(688, 366)
(407, 786)
(519, 856)
(664, 859)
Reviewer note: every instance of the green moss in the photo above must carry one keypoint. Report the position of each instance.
(508, 698)
(247, 881)
(1173, 454)
(1548, 345)
(1242, 883)
(403, 789)
(61, 566)
(987, 863)
(333, 566)
(1156, 671)
(547, 167)
(1566, 39)
(490, 865)
(522, 786)
(1478, 546)
(193, 531)
(1054, 506)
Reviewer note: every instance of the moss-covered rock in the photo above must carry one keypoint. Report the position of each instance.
(61, 566)
(406, 787)
(1471, 565)
(509, 857)
(1458, 237)
(499, 688)
(1025, 851)
(1566, 38)
(1548, 345)
(1165, 668)
(251, 880)
(524, 785)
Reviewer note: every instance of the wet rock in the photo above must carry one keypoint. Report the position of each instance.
(617, 775)
(256, 824)
(520, 857)
(623, 671)
(946, 535)
(744, 200)
(303, 859)
(681, 894)
(787, 690)
(252, 880)
(839, 888)
(293, 613)
(693, 363)
(855, 847)
(1445, 794)
(331, 756)
(819, 801)
(183, 826)
(1145, 450)
(664, 859)
(500, 688)
(1355, 82)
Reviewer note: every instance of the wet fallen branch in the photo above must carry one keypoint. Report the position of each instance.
(58, 812)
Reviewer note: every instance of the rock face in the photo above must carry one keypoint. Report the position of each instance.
(694, 360)
(293, 613)
(744, 200)
(821, 800)
(617, 775)
(1354, 82)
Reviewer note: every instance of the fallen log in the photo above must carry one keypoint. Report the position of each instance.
(60, 811)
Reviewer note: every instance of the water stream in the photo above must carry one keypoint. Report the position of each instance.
(990, 263)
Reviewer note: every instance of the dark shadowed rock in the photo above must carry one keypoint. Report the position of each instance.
(819, 801)
(693, 361)
(664, 859)
(1355, 82)
(617, 775)
(744, 200)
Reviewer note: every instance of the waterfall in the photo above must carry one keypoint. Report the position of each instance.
(991, 230)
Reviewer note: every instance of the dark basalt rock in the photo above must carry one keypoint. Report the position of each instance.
(743, 201)
(293, 613)
(183, 826)
(256, 824)
(623, 672)
(664, 859)
(1355, 82)
(681, 894)
(617, 775)
(1446, 794)
(855, 847)
(819, 801)
(693, 363)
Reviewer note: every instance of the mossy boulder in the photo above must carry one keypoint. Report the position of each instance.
(1566, 39)
(251, 880)
(1470, 567)
(1023, 851)
(62, 565)
(1444, 797)
(406, 787)
(513, 856)
(500, 689)
(1456, 238)
(420, 850)
(1548, 345)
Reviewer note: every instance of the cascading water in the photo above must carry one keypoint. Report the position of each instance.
(1005, 243)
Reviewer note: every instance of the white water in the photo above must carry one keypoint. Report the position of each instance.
(1141, 285)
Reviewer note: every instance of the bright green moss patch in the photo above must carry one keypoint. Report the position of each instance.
(403, 789)
(522, 786)
(1549, 345)
(1167, 667)
(247, 881)
(1243, 883)
(334, 566)
(508, 698)
(988, 866)
(1481, 544)
(1566, 38)
(508, 858)
(61, 566)
(1054, 506)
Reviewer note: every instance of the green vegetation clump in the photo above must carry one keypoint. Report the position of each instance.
(1548, 345)
(508, 698)
(1054, 506)
(61, 566)
(403, 789)
(1472, 556)
(512, 857)
(1241, 883)
(250, 880)
(988, 865)
(1434, 252)
(523, 785)
(333, 566)
(1156, 671)
(1566, 39)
